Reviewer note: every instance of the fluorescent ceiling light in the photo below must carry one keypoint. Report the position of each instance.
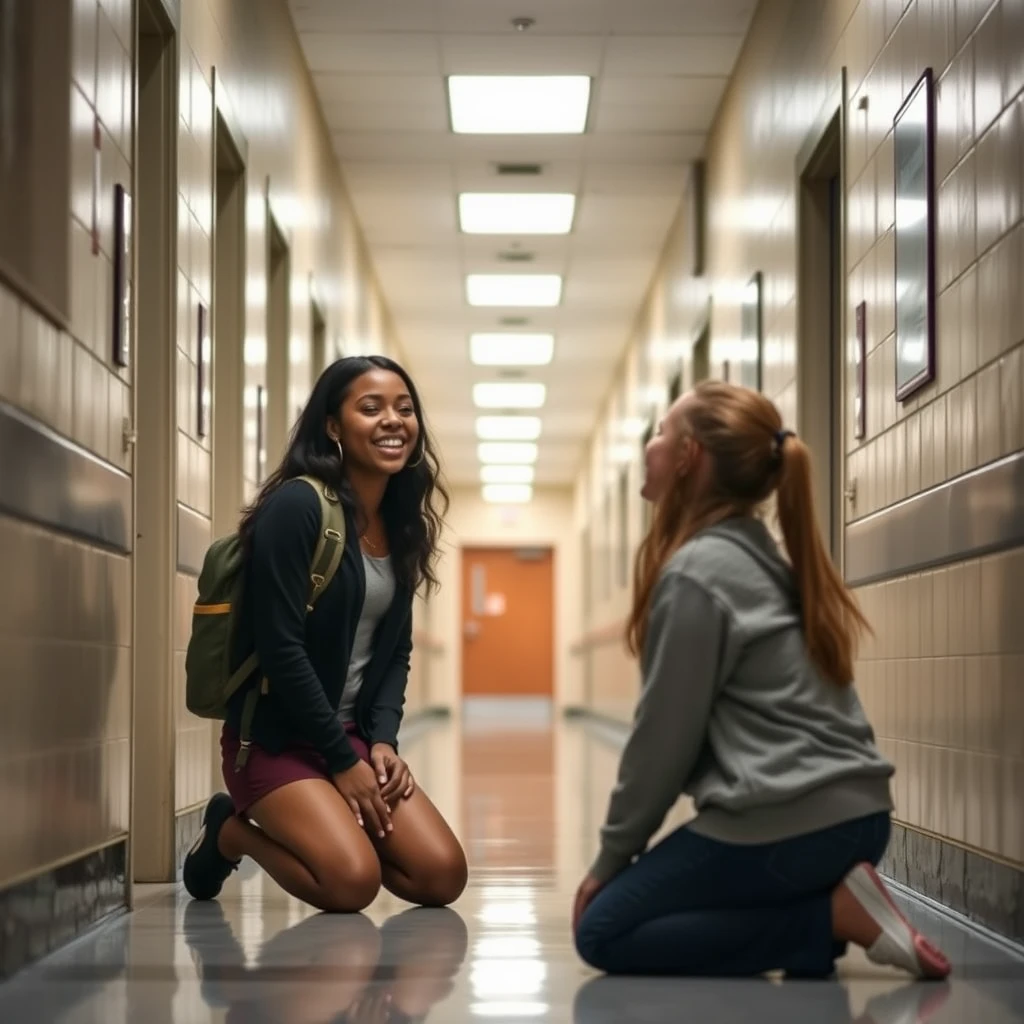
(514, 289)
(507, 494)
(518, 104)
(506, 474)
(501, 395)
(508, 428)
(506, 453)
(499, 213)
(512, 349)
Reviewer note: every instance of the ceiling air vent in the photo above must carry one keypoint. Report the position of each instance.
(516, 256)
(514, 321)
(511, 374)
(520, 170)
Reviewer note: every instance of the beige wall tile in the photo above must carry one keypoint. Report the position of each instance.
(935, 676)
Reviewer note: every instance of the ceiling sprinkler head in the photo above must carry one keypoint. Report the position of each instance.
(523, 24)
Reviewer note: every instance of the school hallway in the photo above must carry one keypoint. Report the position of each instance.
(557, 218)
(527, 797)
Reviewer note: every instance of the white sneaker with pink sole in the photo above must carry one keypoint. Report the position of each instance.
(900, 944)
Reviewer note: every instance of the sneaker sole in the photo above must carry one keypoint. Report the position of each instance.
(920, 957)
(187, 872)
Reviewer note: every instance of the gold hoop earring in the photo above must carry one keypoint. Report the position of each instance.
(341, 453)
(423, 455)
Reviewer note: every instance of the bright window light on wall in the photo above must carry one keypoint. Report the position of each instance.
(501, 395)
(518, 104)
(507, 494)
(506, 474)
(514, 289)
(508, 428)
(511, 349)
(498, 213)
(506, 453)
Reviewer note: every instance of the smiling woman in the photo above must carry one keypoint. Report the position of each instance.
(310, 744)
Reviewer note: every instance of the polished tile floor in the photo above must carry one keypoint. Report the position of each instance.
(527, 800)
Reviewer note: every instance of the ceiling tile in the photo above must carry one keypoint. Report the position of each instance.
(386, 53)
(672, 55)
(659, 67)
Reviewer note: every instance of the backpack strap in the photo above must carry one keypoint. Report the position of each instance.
(330, 546)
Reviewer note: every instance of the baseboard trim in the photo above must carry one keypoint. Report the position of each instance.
(966, 882)
(54, 908)
(1000, 941)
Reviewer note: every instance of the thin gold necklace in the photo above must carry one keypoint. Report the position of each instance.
(370, 543)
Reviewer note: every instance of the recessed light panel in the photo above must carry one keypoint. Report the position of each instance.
(508, 428)
(507, 494)
(502, 395)
(506, 474)
(499, 213)
(507, 453)
(518, 104)
(514, 289)
(511, 349)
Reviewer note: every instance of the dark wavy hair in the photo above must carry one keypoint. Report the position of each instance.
(416, 499)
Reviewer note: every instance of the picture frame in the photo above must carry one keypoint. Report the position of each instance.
(36, 157)
(261, 440)
(751, 333)
(860, 365)
(203, 360)
(914, 158)
(121, 326)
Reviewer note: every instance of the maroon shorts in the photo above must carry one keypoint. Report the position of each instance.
(265, 772)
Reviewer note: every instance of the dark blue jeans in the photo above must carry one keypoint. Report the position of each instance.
(695, 906)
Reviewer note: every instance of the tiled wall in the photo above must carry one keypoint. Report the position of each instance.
(65, 629)
(258, 64)
(66, 623)
(943, 678)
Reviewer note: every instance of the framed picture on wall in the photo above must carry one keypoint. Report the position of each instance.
(35, 155)
(203, 371)
(860, 366)
(751, 331)
(122, 269)
(261, 433)
(914, 148)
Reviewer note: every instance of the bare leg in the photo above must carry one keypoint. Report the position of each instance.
(422, 861)
(308, 841)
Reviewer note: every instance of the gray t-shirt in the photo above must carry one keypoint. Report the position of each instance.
(734, 713)
(380, 592)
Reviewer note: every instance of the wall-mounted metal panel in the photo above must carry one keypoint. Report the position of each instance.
(46, 479)
(973, 515)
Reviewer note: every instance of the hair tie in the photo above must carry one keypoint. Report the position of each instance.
(780, 440)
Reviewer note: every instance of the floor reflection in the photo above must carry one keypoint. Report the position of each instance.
(527, 800)
(339, 969)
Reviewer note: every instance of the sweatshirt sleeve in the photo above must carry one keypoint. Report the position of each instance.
(681, 662)
(284, 540)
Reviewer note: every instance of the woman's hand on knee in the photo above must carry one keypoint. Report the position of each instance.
(358, 787)
(393, 773)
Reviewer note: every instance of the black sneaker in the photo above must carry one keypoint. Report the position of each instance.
(206, 868)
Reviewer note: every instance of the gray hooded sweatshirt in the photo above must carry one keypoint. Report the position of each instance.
(733, 713)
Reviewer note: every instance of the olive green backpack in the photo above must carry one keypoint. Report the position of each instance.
(209, 679)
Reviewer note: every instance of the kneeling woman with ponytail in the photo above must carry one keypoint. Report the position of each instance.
(748, 706)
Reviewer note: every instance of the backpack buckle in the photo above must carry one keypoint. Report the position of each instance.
(332, 534)
(316, 579)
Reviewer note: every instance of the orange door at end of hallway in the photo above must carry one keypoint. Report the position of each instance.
(508, 622)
